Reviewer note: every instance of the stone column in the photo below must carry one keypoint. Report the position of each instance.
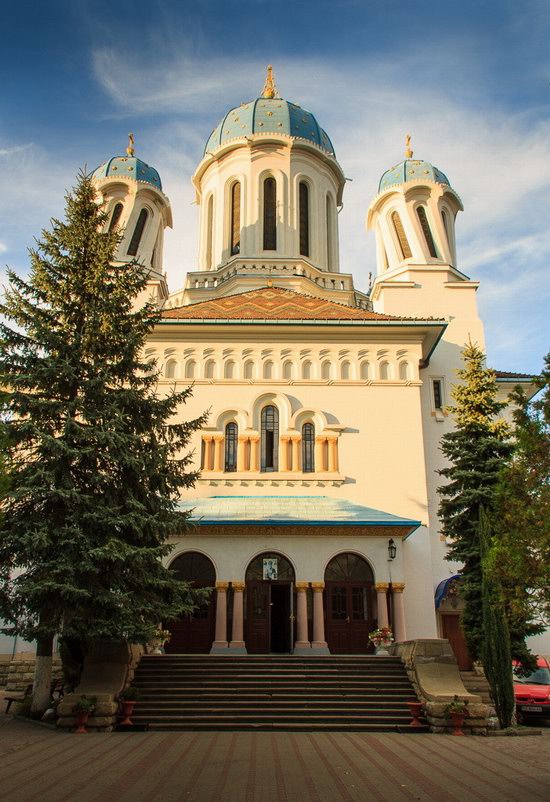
(218, 452)
(283, 453)
(237, 634)
(382, 603)
(332, 454)
(302, 642)
(220, 643)
(319, 643)
(207, 452)
(295, 440)
(399, 632)
(254, 452)
(319, 448)
(241, 453)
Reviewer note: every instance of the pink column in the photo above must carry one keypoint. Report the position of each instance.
(319, 641)
(255, 452)
(319, 455)
(302, 641)
(237, 635)
(218, 452)
(283, 453)
(241, 453)
(221, 617)
(207, 452)
(295, 440)
(382, 603)
(332, 454)
(399, 632)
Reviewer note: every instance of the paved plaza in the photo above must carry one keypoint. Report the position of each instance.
(37, 763)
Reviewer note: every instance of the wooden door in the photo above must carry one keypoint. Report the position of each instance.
(194, 633)
(258, 616)
(451, 629)
(348, 616)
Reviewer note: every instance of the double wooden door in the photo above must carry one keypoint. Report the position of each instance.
(194, 633)
(269, 616)
(451, 629)
(349, 617)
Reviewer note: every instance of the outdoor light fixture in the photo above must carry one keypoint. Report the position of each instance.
(392, 549)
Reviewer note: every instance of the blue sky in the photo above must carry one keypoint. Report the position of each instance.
(469, 80)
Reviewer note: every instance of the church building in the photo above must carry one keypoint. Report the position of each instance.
(315, 514)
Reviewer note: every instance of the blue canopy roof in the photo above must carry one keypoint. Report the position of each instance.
(441, 590)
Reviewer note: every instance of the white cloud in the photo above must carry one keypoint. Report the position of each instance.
(3, 247)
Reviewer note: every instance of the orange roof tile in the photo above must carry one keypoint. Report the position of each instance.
(271, 303)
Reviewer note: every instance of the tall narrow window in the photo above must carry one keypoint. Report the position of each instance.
(330, 234)
(437, 385)
(306, 370)
(270, 215)
(115, 217)
(308, 448)
(304, 219)
(235, 218)
(209, 231)
(231, 441)
(138, 233)
(270, 439)
(401, 236)
(421, 212)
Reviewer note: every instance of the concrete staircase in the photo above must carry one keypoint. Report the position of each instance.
(196, 692)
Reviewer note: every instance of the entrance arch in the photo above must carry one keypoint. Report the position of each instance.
(349, 600)
(269, 604)
(194, 633)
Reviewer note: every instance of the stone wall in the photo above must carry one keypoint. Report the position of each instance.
(20, 673)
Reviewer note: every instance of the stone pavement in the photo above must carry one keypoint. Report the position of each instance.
(37, 763)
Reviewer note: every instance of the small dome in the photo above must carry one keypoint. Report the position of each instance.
(269, 115)
(411, 170)
(128, 167)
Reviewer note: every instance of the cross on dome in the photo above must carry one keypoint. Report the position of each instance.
(270, 90)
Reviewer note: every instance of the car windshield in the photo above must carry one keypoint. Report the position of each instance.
(539, 677)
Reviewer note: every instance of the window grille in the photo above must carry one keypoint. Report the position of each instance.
(421, 212)
(270, 215)
(138, 233)
(269, 439)
(231, 443)
(401, 236)
(115, 217)
(304, 219)
(235, 218)
(308, 448)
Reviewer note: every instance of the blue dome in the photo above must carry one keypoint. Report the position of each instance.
(269, 115)
(128, 167)
(411, 170)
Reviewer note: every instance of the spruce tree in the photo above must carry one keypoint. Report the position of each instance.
(96, 461)
(476, 451)
(495, 648)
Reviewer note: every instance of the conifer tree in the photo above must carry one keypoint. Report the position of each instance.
(495, 647)
(96, 462)
(476, 451)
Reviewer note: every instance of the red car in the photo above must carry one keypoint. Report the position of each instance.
(533, 692)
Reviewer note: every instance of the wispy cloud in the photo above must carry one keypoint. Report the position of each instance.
(3, 247)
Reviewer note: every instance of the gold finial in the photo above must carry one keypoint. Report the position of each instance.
(408, 151)
(269, 90)
(130, 148)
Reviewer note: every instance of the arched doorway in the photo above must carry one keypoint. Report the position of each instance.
(269, 604)
(349, 597)
(194, 633)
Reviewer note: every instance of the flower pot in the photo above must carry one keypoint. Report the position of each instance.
(458, 721)
(416, 711)
(81, 720)
(127, 711)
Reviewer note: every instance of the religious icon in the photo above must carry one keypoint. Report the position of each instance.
(271, 566)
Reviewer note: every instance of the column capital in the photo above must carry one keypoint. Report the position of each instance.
(332, 436)
(254, 438)
(320, 438)
(222, 586)
(285, 438)
(208, 436)
(382, 587)
(238, 585)
(301, 587)
(295, 437)
(398, 587)
(218, 437)
(243, 438)
(318, 587)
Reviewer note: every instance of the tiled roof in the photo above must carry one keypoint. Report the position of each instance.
(289, 510)
(505, 374)
(271, 303)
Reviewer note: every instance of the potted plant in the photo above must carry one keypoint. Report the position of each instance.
(457, 710)
(158, 640)
(128, 699)
(83, 708)
(381, 638)
(416, 711)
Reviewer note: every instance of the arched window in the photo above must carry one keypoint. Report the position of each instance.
(268, 370)
(256, 568)
(209, 231)
(304, 218)
(401, 236)
(346, 371)
(270, 215)
(326, 371)
(404, 371)
(270, 438)
(385, 371)
(231, 441)
(288, 370)
(421, 212)
(306, 370)
(348, 567)
(249, 369)
(115, 217)
(229, 370)
(170, 369)
(235, 218)
(330, 233)
(138, 233)
(209, 369)
(308, 448)
(190, 368)
(365, 371)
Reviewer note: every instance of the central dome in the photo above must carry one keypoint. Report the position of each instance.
(269, 115)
